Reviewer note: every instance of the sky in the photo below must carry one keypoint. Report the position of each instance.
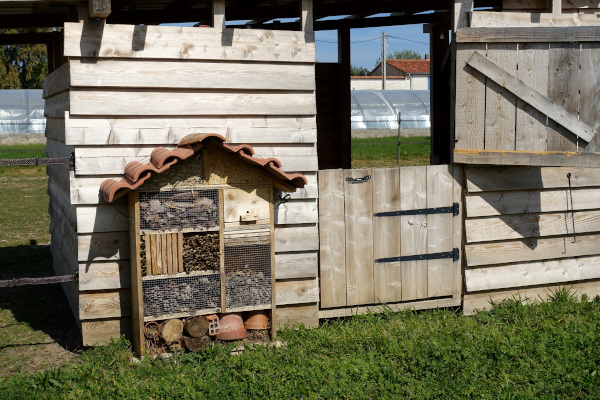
(365, 46)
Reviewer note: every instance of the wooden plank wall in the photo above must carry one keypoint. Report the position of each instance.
(128, 89)
(352, 238)
(489, 117)
(519, 231)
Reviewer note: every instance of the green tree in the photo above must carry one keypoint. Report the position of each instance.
(22, 66)
(401, 55)
(358, 71)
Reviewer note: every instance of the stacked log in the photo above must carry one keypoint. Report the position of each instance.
(174, 210)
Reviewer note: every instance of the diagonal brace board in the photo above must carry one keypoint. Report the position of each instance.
(529, 95)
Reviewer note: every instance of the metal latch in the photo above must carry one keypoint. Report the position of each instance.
(454, 254)
(358, 180)
(454, 209)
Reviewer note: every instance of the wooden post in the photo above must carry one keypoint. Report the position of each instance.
(440, 96)
(306, 15)
(82, 11)
(99, 8)
(556, 6)
(344, 106)
(137, 304)
(218, 14)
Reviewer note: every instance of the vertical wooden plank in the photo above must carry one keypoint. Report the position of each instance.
(387, 277)
(149, 265)
(457, 227)
(563, 89)
(163, 252)
(180, 252)
(358, 205)
(413, 230)
(332, 236)
(151, 241)
(169, 248)
(500, 104)
(440, 273)
(531, 124)
(137, 304)
(589, 108)
(461, 11)
(218, 14)
(157, 255)
(273, 277)
(345, 98)
(222, 247)
(469, 114)
(306, 15)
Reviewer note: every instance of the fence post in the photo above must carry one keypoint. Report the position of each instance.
(399, 130)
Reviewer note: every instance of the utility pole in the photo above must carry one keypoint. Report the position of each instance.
(383, 60)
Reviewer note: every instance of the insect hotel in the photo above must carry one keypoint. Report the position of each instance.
(213, 176)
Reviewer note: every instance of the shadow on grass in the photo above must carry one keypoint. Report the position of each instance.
(42, 307)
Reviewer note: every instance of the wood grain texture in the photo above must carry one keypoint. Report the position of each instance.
(296, 315)
(500, 104)
(530, 201)
(103, 246)
(531, 274)
(358, 206)
(376, 309)
(57, 81)
(470, 94)
(413, 195)
(440, 273)
(529, 34)
(139, 102)
(105, 304)
(155, 131)
(518, 226)
(101, 331)
(297, 291)
(102, 218)
(482, 301)
(518, 178)
(556, 106)
(190, 75)
(458, 192)
(563, 89)
(170, 42)
(540, 159)
(531, 124)
(296, 238)
(387, 277)
(56, 106)
(494, 19)
(296, 265)
(106, 275)
(531, 250)
(589, 107)
(332, 234)
(297, 212)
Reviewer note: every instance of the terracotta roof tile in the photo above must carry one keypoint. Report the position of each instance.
(162, 159)
(411, 66)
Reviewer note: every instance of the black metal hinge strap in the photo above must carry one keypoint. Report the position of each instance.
(454, 209)
(454, 254)
(358, 180)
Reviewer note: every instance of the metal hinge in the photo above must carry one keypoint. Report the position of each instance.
(454, 209)
(358, 180)
(454, 254)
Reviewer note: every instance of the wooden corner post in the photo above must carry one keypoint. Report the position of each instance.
(306, 15)
(218, 14)
(137, 307)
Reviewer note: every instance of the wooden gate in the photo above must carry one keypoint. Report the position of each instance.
(388, 236)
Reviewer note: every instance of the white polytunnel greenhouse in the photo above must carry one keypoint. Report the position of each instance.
(381, 109)
(22, 111)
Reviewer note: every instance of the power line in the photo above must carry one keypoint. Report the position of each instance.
(408, 40)
(352, 41)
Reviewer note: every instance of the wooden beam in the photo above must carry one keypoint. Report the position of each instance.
(218, 14)
(99, 8)
(345, 97)
(462, 10)
(529, 35)
(492, 19)
(531, 96)
(306, 15)
(532, 158)
(556, 6)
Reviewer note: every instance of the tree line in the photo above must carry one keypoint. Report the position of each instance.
(395, 55)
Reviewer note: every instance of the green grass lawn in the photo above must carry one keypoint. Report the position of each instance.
(382, 152)
(516, 351)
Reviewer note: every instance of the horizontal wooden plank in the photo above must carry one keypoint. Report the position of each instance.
(531, 225)
(296, 265)
(494, 19)
(192, 75)
(531, 250)
(531, 96)
(297, 212)
(532, 274)
(100, 332)
(102, 218)
(297, 291)
(105, 160)
(106, 275)
(56, 82)
(172, 103)
(103, 246)
(56, 106)
(517, 178)
(482, 301)
(56, 148)
(190, 43)
(296, 238)
(156, 131)
(55, 129)
(540, 159)
(297, 315)
(530, 201)
(378, 308)
(105, 304)
(528, 35)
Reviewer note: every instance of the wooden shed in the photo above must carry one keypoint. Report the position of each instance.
(508, 206)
